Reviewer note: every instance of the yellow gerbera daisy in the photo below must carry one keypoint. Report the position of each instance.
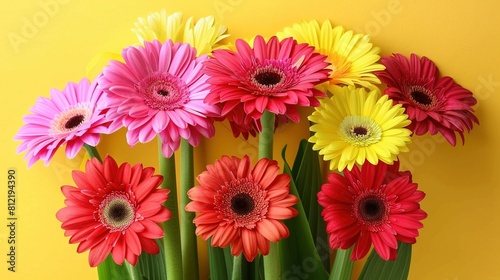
(355, 125)
(159, 26)
(203, 34)
(353, 58)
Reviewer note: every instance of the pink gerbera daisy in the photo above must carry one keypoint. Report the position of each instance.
(72, 116)
(433, 104)
(275, 75)
(159, 90)
(376, 204)
(241, 206)
(114, 210)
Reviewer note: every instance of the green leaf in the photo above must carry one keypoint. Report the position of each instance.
(220, 266)
(244, 270)
(308, 180)
(229, 259)
(152, 267)
(109, 270)
(342, 266)
(148, 267)
(299, 257)
(255, 269)
(377, 269)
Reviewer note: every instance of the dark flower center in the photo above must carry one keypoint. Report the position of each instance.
(74, 121)
(163, 92)
(371, 209)
(241, 201)
(242, 204)
(268, 78)
(116, 212)
(421, 98)
(361, 131)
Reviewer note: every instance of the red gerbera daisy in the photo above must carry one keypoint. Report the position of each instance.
(241, 206)
(241, 123)
(376, 204)
(244, 125)
(275, 75)
(433, 104)
(114, 210)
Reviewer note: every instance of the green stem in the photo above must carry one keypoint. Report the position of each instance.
(188, 236)
(272, 260)
(172, 238)
(220, 263)
(342, 266)
(108, 270)
(266, 137)
(237, 264)
(133, 272)
(92, 151)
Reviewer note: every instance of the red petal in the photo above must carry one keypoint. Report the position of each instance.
(249, 244)
(381, 247)
(361, 247)
(267, 229)
(149, 246)
(110, 169)
(146, 187)
(263, 244)
(152, 230)
(132, 242)
(99, 253)
(118, 252)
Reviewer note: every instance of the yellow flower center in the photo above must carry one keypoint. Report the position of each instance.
(360, 131)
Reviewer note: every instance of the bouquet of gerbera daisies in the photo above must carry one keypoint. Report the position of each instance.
(260, 220)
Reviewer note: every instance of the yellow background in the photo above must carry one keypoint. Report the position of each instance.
(460, 239)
